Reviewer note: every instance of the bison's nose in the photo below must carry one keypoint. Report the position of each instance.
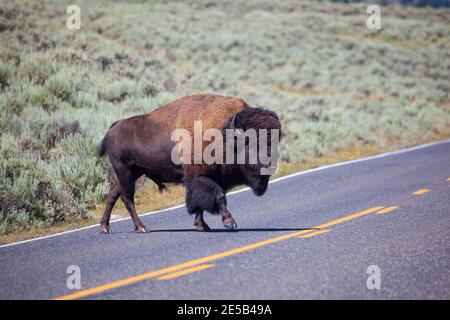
(261, 190)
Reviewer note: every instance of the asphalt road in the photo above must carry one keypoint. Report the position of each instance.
(313, 235)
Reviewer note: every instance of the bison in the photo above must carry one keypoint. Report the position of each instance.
(143, 145)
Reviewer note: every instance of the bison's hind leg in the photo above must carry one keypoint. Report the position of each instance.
(200, 223)
(113, 195)
(203, 193)
(127, 176)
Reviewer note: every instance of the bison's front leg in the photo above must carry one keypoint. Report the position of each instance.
(203, 193)
(227, 219)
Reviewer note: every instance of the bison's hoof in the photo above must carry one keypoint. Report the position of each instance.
(203, 228)
(142, 229)
(229, 223)
(106, 230)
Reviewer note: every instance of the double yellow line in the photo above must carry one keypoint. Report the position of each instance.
(199, 264)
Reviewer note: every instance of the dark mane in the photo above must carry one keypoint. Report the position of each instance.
(256, 118)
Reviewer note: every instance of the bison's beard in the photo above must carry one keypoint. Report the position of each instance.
(258, 183)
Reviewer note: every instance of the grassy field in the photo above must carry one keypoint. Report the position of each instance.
(341, 90)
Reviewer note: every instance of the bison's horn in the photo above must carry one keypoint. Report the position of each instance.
(233, 122)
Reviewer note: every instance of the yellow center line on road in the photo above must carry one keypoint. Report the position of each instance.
(420, 191)
(312, 234)
(153, 274)
(386, 210)
(185, 271)
(350, 217)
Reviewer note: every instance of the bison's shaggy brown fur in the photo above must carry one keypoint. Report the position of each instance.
(142, 145)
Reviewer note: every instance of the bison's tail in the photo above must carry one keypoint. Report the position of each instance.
(102, 147)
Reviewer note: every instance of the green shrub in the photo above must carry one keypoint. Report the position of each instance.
(81, 174)
(9, 121)
(6, 74)
(27, 196)
(118, 90)
(61, 87)
(85, 100)
(15, 99)
(37, 68)
(52, 132)
(41, 97)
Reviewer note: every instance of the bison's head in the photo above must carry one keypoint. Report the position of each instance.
(256, 133)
